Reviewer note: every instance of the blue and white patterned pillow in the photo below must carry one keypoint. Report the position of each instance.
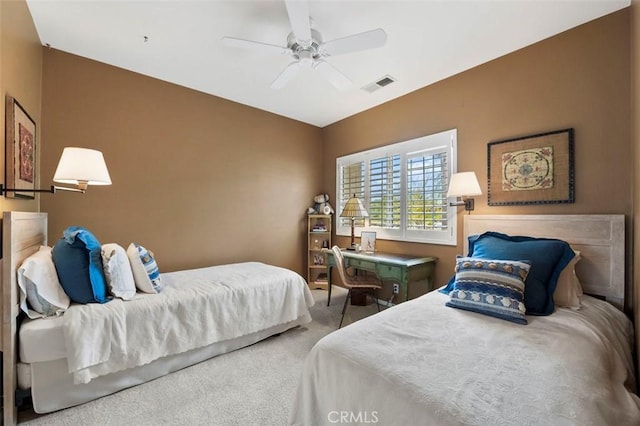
(145, 269)
(491, 287)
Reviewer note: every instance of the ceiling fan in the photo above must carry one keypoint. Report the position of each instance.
(306, 46)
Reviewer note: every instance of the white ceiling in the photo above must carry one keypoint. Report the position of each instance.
(427, 41)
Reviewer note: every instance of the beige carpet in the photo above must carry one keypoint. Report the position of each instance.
(251, 386)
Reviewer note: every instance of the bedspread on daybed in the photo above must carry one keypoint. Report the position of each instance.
(196, 308)
(424, 363)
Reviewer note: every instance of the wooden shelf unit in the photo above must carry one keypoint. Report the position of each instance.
(318, 243)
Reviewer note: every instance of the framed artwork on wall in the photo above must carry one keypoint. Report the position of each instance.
(535, 169)
(368, 241)
(20, 150)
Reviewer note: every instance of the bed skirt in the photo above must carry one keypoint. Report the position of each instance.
(52, 388)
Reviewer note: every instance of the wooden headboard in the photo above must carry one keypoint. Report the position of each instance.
(599, 238)
(22, 235)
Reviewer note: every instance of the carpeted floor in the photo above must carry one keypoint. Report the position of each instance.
(251, 386)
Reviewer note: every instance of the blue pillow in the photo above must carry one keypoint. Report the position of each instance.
(548, 258)
(490, 287)
(78, 259)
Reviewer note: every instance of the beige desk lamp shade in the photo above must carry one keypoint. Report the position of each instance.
(354, 208)
(82, 167)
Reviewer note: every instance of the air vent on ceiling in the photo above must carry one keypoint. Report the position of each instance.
(379, 84)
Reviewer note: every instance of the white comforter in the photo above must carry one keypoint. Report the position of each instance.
(196, 308)
(423, 363)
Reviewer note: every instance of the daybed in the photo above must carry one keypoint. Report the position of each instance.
(423, 362)
(95, 349)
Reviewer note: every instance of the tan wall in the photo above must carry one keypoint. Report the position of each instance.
(197, 179)
(21, 78)
(635, 123)
(577, 79)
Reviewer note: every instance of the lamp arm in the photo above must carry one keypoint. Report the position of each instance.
(468, 204)
(51, 190)
(66, 188)
(4, 190)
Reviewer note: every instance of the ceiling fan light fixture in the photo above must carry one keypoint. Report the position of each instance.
(306, 57)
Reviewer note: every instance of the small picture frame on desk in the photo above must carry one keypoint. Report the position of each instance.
(368, 241)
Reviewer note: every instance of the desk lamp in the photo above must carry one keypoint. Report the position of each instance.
(353, 210)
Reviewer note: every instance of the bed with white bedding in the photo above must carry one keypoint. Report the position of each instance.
(96, 349)
(422, 362)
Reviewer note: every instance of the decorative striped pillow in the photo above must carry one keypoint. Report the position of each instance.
(491, 287)
(145, 269)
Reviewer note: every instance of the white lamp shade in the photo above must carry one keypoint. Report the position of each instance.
(464, 184)
(82, 165)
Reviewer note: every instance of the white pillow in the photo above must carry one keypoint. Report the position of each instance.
(41, 294)
(145, 269)
(568, 290)
(117, 271)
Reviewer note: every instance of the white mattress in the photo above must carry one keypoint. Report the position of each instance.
(42, 340)
(424, 363)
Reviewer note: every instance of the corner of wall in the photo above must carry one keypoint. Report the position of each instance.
(21, 78)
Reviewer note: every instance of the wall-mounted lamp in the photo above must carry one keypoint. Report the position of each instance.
(353, 210)
(464, 185)
(77, 166)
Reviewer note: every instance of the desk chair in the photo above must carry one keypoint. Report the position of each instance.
(351, 281)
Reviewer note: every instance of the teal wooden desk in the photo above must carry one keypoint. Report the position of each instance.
(398, 268)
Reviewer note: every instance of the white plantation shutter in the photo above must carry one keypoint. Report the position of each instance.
(427, 183)
(385, 192)
(403, 186)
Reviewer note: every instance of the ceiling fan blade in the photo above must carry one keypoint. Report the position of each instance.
(298, 11)
(353, 43)
(254, 45)
(330, 73)
(286, 75)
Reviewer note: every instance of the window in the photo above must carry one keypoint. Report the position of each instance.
(404, 187)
